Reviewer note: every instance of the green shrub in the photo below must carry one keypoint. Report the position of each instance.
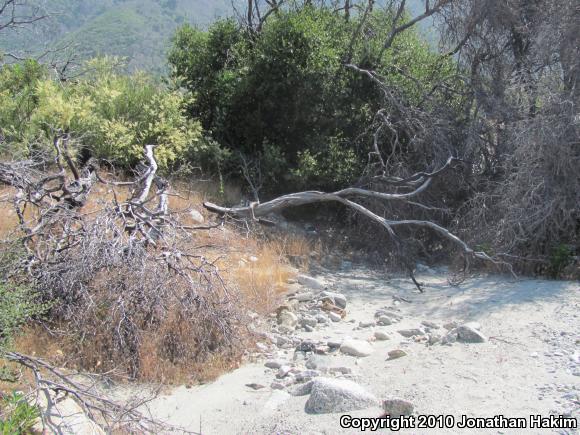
(288, 85)
(18, 304)
(17, 416)
(108, 115)
(560, 257)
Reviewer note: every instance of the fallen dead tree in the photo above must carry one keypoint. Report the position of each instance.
(416, 184)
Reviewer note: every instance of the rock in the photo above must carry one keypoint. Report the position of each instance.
(468, 334)
(196, 216)
(283, 342)
(394, 317)
(283, 372)
(306, 346)
(277, 385)
(310, 282)
(307, 375)
(337, 299)
(253, 259)
(366, 324)
(410, 332)
(473, 325)
(308, 328)
(430, 324)
(308, 320)
(303, 297)
(434, 338)
(287, 318)
(451, 325)
(334, 316)
(274, 364)
(317, 362)
(321, 318)
(357, 348)
(334, 344)
(255, 386)
(395, 407)
(385, 321)
(329, 395)
(397, 353)
(342, 370)
(302, 389)
(382, 335)
(450, 337)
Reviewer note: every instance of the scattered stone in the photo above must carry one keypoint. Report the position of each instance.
(310, 282)
(474, 325)
(397, 353)
(307, 375)
(382, 335)
(283, 372)
(306, 346)
(321, 318)
(468, 334)
(334, 316)
(430, 324)
(434, 339)
(411, 332)
(308, 328)
(366, 324)
(317, 362)
(395, 317)
(451, 325)
(255, 386)
(385, 321)
(395, 407)
(333, 344)
(303, 297)
(337, 299)
(450, 338)
(341, 370)
(302, 389)
(308, 320)
(287, 318)
(253, 259)
(356, 348)
(274, 364)
(196, 216)
(329, 395)
(277, 385)
(262, 346)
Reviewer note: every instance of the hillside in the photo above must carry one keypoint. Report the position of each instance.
(139, 30)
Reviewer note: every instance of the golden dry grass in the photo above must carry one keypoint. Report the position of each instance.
(256, 269)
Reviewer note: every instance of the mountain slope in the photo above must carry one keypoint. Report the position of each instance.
(139, 30)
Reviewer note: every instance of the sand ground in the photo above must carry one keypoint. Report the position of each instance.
(529, 365)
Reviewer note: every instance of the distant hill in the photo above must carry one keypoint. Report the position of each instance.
(137, 29)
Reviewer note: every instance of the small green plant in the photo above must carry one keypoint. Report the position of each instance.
(17, 416)
(17, 305)
(560, 257)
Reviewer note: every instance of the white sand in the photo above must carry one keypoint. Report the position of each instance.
(526, 367)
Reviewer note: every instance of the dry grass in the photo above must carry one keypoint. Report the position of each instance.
(255, 269)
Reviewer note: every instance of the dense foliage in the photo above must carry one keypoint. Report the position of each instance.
(109, 116)
(287, 90)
